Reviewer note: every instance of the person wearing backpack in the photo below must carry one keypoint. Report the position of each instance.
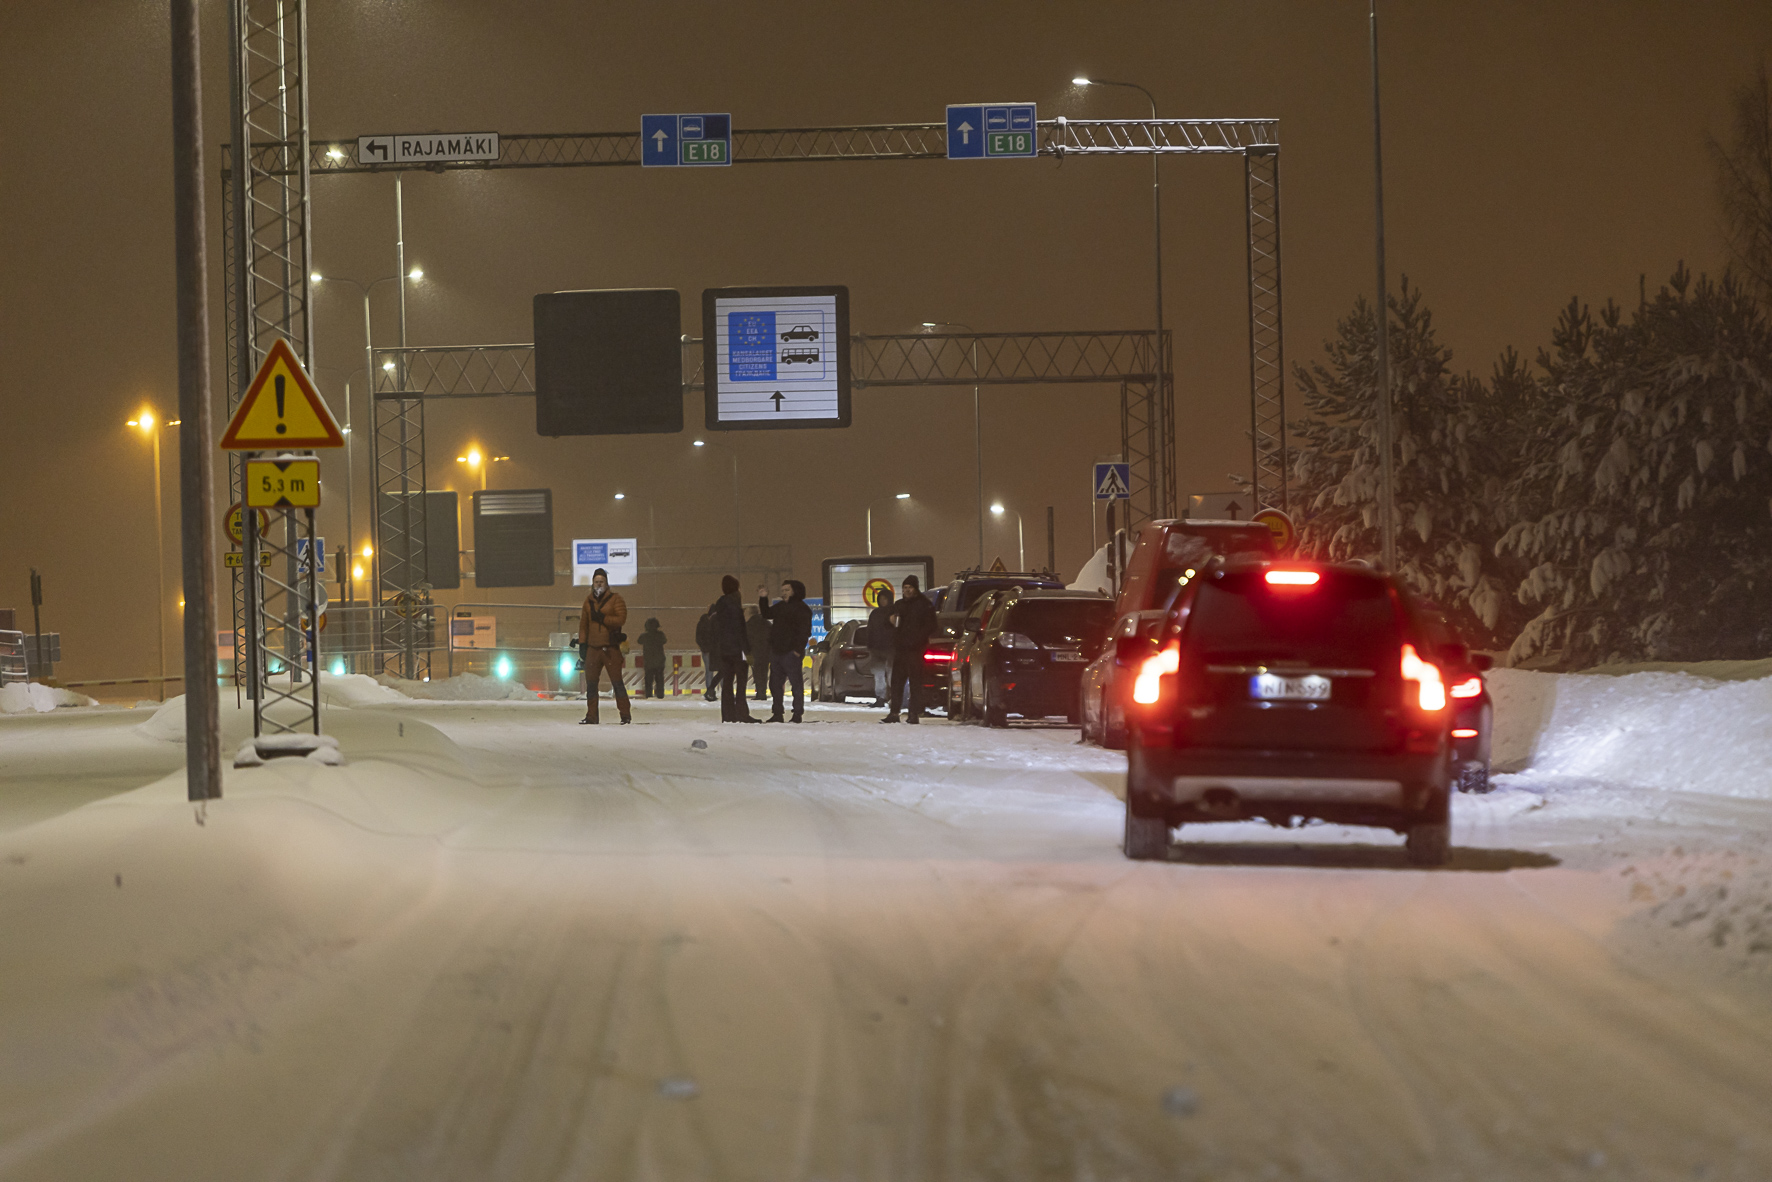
(652, 660)
(599, 640)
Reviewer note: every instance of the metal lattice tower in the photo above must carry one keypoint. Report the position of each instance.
(267, 261)
(1267, 354)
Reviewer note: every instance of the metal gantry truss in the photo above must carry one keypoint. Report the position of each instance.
(1146, 381)
(284, 590)
(267, 260)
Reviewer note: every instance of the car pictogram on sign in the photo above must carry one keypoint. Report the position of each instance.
(800, 332)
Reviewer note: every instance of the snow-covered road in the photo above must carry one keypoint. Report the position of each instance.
(495, 945)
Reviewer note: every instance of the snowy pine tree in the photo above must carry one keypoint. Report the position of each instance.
(1448, 474)
(1643, 503)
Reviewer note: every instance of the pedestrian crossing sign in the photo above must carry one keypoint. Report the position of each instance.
(1113, 482)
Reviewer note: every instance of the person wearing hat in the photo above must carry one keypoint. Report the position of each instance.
(599, 640)
(913, 618)
(731, 643)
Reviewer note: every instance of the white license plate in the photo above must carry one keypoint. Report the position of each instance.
(1064, 656)
(1271, 687)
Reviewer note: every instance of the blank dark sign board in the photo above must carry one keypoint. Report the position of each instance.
(514, 538)
(609, 362)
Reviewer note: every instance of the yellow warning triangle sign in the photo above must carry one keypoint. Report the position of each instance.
(281, 409)
(997, 568)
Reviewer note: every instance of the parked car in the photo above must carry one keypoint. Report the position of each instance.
(968, 634)
(1028, 654)
(1287, 692)
(1473, 711)
(952, 603)
(1166, 555)
(845, 667)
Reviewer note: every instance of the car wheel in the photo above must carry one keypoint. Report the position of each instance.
(1147, 838)
(1474, 778)
(995, 713)
(1429, 843)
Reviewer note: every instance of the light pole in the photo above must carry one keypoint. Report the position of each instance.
(871, 504)
(977, 432)
(368, 375)
(1387, 487)
(1021, 549)
(737, 519)
(1163, 429)
(150, 425)
(474, 460)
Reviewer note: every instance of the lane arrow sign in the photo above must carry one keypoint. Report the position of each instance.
(659, 138)
(965, 130)
(777, 397)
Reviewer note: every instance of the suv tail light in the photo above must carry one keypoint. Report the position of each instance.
(1430, 686)
(1148, 686)
(932, 655)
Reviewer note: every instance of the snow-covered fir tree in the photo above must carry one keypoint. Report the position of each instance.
(1643, 501)
(1448, 464)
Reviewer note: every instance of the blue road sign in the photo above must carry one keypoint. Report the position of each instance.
(676, 141)
(979, 131)
(1113, 482)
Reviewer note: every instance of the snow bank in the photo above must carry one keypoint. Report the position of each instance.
(33, 698)
(1093, 576)
(1671, 731)
(167, 723)
(356, 689)
(463, 687)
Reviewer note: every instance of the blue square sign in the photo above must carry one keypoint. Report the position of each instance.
(1113, 482)
(676, 141)
(981, 131)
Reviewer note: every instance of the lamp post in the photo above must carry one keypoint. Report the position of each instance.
(977, 432)
(871, 504)
(1387, 487)
(1021, 550)
(150, 425)
(474, 460)
(1162, 422)
(737, 519)
(368, 374)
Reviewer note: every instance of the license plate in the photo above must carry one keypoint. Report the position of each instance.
(1064, 656)
(1271, 687)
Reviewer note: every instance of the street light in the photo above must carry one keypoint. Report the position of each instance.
(871, 504)
(148, 424)
(1163, 428)
(1021, 550)
(368, 373)
(475, 460)
(737, 520)
(977, 432)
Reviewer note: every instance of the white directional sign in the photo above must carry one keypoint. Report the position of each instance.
(776, 357)
(428, 147)
(619, 558)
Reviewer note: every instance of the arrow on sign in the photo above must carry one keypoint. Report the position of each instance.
(381, 148)
(965, 130)
(660, 137)
(777, 397)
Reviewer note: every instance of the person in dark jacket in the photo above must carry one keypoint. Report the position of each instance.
(790, 626)
(704, 640)
(756, 626)
(726, 615)
(652, 660)
(913, 617)
(880, 634)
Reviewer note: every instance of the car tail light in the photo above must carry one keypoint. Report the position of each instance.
(1468, 689)
(1292, 578)
(1148, 685)
(853, 654)
(1465, 732)
(1430, 687)
(932, 655)
(1016, 640)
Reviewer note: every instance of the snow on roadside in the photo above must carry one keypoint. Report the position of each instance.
(1666, 731)
(35, 698)
(463, 687)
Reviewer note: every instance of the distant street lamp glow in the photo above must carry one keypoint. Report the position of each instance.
(903, 496)
(315, 277)
(699, 443)
(415, 273)
(147, 420)
(368, 550)
(1079, 81)
(998, 509)
(621, 496)
(388, 365)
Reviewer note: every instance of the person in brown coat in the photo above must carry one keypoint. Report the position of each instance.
(599, 639)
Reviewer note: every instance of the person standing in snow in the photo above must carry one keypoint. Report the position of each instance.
(913, 617)
(790, 626)
(726, 617)
(880, 641)
(652, 660)
(599, 639)
(756, 628)
(710, 668)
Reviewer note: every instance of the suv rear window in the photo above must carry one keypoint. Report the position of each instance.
(1061, 621)
(973, 588)
(1347, 620)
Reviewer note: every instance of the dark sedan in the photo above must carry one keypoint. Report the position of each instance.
(1028, 659)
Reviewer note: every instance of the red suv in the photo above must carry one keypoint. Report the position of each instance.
(1168, 554)
(1287, 692)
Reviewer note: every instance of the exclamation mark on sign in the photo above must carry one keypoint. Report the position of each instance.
(282, 427)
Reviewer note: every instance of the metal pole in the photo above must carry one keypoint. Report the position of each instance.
(36, 623)
(1051, 541)
(1387, 505)
(870, 531)
(350, 528)
(408, 642)
(374, 597)
(977, 450)
(737, 525)
(1021, 543)
(160, 563)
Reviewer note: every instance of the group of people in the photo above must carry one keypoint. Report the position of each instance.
(769, 641)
